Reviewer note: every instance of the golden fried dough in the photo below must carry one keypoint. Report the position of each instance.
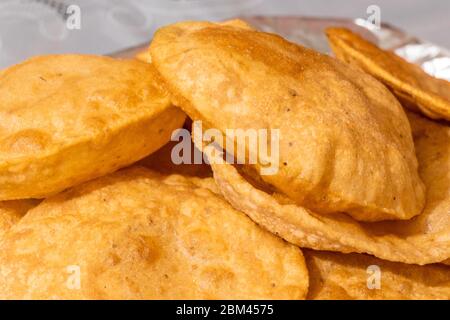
(422, 240)
(349, 276)
(144, 56)
(12, 211)
(135, 234)
(345, 142)
(70, 118)
(406, 80)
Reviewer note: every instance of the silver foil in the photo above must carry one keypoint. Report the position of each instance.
(310, 32)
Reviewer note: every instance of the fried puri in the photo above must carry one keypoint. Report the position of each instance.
(71, 118)
(411, 84)
(424, 239)
(144, 56)
(135, 234)
(345, 141)
(12, 211)
(335, 276)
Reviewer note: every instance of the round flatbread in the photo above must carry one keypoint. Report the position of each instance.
(138, 235)
(345, 143)
(335, 276)
(412, 85)
(71, 118)
(424, 239)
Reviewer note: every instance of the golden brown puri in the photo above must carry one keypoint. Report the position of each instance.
(406, 80)
(135, 234)
(424, 239)
(346, 276)
(345, 141)
(71, 118)
(144, 56)
(12, 211)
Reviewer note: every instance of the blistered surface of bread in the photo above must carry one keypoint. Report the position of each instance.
(345, 142)
(424, 239)
(70, 118)
(137, 235)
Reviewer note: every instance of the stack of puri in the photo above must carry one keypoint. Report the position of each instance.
(74, 226)
(93, 207)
